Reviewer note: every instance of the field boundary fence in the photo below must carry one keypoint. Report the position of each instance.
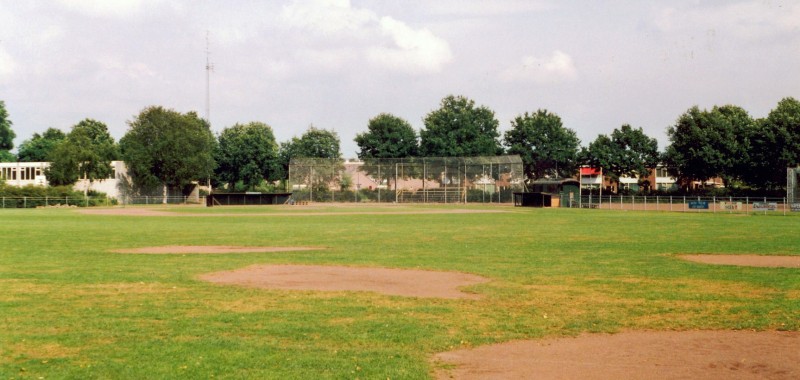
(89, 201)
(697, 204)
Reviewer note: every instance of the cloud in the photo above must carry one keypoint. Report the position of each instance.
(360, 34)
(327, 16)
(413, 50)
(556, 68)
(748, 20)
(108, 8)
(7, 66)
(482, 8)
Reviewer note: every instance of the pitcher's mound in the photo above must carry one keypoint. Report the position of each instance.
(746, 260)
(208, 249)
(703, 355)
(400, 282)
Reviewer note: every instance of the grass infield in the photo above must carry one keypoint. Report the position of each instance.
(71, 309)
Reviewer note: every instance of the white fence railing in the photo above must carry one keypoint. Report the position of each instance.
(683, 203)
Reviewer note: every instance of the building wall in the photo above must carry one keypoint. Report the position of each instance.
(22, 174)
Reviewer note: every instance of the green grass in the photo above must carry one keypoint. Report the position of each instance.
(71, 309)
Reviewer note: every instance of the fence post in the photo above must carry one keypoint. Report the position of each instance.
(714, 204)
(25, 202)
(684, 203)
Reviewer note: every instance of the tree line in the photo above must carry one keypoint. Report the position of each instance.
(164, 148)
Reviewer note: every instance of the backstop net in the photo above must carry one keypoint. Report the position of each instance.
(491, 179)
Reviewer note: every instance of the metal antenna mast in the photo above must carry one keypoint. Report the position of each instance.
(209, 69)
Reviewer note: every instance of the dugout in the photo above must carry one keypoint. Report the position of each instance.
(247, 199)
(549, 193)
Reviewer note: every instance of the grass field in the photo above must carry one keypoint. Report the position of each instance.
(71, 309)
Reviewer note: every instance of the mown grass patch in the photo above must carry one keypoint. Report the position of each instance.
(71, 309)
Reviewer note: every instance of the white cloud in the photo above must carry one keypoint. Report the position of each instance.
(7, 66)
(360, 34)
(748, 20)
(556, 68)
(483, 8)
(109, 8)
(327, 16)
(413, 50)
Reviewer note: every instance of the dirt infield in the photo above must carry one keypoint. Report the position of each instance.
(707, 355)
(399, 282)
(208, 249)
(746, 260)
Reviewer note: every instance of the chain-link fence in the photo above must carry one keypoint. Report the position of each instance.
(92, 201)
(681, 203)
(407, 180)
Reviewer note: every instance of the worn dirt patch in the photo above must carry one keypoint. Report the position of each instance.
(399, 282)
(707, 355)
(208, 249)
(746, 260)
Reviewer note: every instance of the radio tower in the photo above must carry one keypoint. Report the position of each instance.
(209, 69)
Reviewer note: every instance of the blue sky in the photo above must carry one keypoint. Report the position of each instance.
(337, 63)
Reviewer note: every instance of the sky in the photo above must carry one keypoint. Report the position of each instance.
(335, 64)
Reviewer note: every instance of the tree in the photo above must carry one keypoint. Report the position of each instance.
(168, 149)
(39, 147)
(775, 146)
(314, 143)
(707, 144)
(6, 135)
(546, 147)
(628, 152)
(246, 153)
(86, 152)
(459, 129)
(388, 136)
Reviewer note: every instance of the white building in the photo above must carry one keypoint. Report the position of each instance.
(33, 173)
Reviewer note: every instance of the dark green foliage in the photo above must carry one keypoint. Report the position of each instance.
(6, 134)
(166, 148)
(459, 129)
(31, 196)
(314, 143)
(39, 147)
(707, 144)
(775, 146)
(545, 146)
(388, 136)
(628, 152)
(86, 152)
(247, 153)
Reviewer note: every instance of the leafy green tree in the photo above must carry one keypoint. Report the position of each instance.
(6, 135)
(168, 149)
(459, 129)
(707, 144)
(546, 147)
(628, 152)
(388, 136)
(314, 144)
(775, 146)
(86, 152)
(246, 153)
(39, 147)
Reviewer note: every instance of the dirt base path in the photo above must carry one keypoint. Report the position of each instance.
(707, 355)
(400, 282)
(746, 260)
